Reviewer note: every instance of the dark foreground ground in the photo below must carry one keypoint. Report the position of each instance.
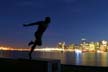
(74, 68)
(25, 65)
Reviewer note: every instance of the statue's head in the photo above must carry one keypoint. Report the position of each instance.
(47, 19)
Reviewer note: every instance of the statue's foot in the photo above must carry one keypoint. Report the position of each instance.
(30, 43)
(30, 58)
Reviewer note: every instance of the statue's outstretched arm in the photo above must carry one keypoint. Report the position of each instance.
(31, 24)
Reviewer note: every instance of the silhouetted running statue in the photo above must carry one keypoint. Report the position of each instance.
(42, 26)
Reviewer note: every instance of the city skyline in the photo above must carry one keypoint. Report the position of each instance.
(71, 21)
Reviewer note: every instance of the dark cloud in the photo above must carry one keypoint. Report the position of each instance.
(32, 3)
(70, 1)
(25, 3)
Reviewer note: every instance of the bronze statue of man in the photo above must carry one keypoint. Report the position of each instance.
(42, 26)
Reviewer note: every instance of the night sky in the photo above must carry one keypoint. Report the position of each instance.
(71, 20)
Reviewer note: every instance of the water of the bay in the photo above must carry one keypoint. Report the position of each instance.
(69, 58)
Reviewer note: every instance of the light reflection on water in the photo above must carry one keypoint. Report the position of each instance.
(87, 59)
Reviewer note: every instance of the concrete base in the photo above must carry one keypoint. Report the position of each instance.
(25, 65)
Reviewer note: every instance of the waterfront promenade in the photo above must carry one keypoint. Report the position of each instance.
(39, 65)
